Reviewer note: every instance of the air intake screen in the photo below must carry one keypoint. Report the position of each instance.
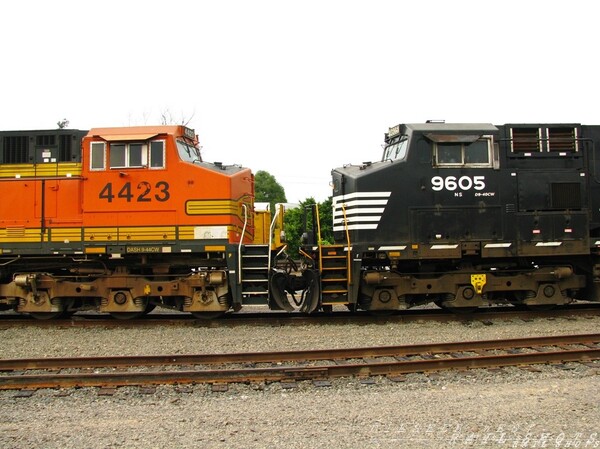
(64, 148)
(562, 139)
(16, 150)
(525, 140)
(566, 195)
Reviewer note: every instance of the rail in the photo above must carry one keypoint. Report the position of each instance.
(393, 360)
(276, 319)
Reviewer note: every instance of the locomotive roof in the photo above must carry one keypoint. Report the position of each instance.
(133, 132)
(452, 127)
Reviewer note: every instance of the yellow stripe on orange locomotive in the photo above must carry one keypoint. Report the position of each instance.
(65, 235)
(148, 233)
(212, 207)
(20, 234)
(63, 169)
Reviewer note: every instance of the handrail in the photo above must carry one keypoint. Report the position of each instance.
(348, 270)
(241, 242)
(319, 241)
(271, 227)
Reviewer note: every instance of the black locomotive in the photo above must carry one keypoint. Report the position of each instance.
(464, 216)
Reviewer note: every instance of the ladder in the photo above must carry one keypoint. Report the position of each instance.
(255, 274)
(334, 274)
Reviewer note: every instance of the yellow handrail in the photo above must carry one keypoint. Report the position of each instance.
(319, 241)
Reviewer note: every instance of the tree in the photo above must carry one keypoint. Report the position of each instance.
(268, 190)
(62, 124)
(295, 226)
(166, 118)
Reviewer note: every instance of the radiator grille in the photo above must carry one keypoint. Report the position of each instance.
(525, 140)
(64, 148)
(562, 139)
(16, 150)
(566, 195)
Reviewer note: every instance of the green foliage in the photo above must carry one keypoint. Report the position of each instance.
(294, 223)
(267, 189)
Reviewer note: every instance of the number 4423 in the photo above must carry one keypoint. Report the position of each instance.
(144, 192)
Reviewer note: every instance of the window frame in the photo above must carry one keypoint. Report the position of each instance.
(127, 154)
(164, 154)
(400, 143)
(463, 145)
(103, 149)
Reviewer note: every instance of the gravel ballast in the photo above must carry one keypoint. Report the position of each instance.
(550, 406)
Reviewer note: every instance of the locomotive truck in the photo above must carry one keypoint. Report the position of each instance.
(122, 220)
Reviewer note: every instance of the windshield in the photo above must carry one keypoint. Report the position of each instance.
(396, 149)
(187, 152)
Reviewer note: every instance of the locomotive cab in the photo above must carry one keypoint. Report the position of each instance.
(429, 171)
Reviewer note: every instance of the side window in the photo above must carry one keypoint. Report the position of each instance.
(97, 156)
(128, 155)
(157, 154)
(449, 153)
(477, 152)
(468, 154)
(135, 155)
(117, 155)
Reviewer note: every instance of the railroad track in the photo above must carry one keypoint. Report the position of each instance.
(293, 365)
(280, 319)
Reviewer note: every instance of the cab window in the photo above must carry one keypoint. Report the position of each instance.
(396, 149)
(98, 156)
(137, 155)
(157, 154)
(468, 154)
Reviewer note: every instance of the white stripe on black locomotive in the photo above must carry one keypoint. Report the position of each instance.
(363, 210)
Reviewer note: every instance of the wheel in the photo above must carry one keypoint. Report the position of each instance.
(149, 308)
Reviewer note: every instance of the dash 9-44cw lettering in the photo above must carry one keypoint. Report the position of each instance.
(452, 183)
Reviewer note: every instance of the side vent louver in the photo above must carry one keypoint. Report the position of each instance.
(562, 139)
(566, 195)
(525, 140)
(16, 150)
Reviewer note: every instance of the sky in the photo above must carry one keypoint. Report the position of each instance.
(296, 88)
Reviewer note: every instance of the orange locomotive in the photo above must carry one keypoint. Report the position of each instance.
(121, 220)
